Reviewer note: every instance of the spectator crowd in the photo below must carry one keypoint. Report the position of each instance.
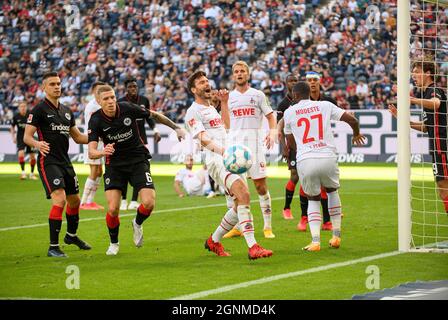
(161, 42)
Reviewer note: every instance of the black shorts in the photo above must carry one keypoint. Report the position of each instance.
(137, 174)
(56, 176)
(292, 161)
(23, 146)
(439, 165)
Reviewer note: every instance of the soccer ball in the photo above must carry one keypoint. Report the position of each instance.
(237, 159)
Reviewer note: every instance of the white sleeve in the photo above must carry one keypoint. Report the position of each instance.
(336, 112)
(287, 127)
(179, 175)
(193, 123)
(265, 105)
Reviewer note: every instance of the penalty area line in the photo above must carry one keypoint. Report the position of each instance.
(206, 293)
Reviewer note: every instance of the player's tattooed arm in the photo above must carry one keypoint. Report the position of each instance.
(94, 153)
(160, 118)
(28, 138)
(419, 126)
(77, 136)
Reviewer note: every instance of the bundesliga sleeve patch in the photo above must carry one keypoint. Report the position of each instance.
(30, 118)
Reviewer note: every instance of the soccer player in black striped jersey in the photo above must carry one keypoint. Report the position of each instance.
(19, 121)
(126, 159)
(133, 96)
(54, 124)
(433, 101)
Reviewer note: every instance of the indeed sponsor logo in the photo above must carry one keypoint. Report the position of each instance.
(120, 136)
(60, 127)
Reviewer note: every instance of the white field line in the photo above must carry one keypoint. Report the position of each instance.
(206, 293)
(162, 211)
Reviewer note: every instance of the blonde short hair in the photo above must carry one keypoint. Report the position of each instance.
(241, 63)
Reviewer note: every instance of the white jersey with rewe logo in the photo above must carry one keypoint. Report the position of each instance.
(190, 181)
(247, 111)
(201, 118)
(310, 123)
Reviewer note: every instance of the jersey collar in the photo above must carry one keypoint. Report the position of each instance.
(48, 102)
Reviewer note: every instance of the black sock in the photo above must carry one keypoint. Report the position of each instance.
(32, 168)
(124, 192)
(304, 205)
(134, 194)
(140, 217)
(113, 233)
(326, 214)
(212, 183)
(22, 166)
(289, 195)
(55, 228)
(72, 223)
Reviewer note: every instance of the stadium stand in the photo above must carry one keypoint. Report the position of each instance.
(161, 42)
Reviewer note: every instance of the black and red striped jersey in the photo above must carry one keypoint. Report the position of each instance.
(53, 125)
(123, 130)
(435, 120)
(143, 102)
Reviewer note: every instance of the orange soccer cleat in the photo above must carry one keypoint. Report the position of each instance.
(257, 251)
(335, 242)
(216, 247)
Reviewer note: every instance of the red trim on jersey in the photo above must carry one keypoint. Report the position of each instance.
(445, 168)
(138, 132)
(48, 102)
(117, 114)
(41, 162)
(436, 131)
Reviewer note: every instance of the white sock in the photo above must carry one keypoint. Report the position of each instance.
(246, 223)
(92, 193)
(314, 219)
(87, 190)
(229, 201)
(265, 205)
(335, 209)
(229, 220)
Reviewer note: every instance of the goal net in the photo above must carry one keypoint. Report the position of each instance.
(428, 70)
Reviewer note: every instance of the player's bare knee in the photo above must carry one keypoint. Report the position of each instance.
(74, 201)
(148, 204)
(114, 210)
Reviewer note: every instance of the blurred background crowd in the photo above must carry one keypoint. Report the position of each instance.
(160, 42)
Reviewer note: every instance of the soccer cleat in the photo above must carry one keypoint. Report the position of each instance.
(138, 234)
(313, 246)
(32, 176)
(23, 176)
(257, 251)
(76, 241)
(233, 233)
(268, 234)
(133, 205)
(302, 224)
(211, 194)
(87, 206)
(327, 226)
(335, 242)
(216, 247)
(96, 206)
(287, 215)
(124, 205)
(113, 249)
(56, 252)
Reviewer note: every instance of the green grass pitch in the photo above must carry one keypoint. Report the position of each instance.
(173, 261)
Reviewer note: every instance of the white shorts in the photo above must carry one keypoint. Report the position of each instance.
(219, 174)
(89, 161)
(317, 172)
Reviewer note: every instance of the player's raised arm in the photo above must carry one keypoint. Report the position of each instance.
(419, 126)
(223, 97)
(160, 118)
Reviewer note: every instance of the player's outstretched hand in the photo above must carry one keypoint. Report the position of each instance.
(270, 139)
(109, 149)
(180, 134)
(223, 95)
(43, 147)
(359, 140)
(392, 110)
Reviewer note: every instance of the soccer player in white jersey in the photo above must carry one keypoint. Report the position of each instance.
(206, 125)
(247, 107)
(307, 126)
(96, 169)
(195, 183)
